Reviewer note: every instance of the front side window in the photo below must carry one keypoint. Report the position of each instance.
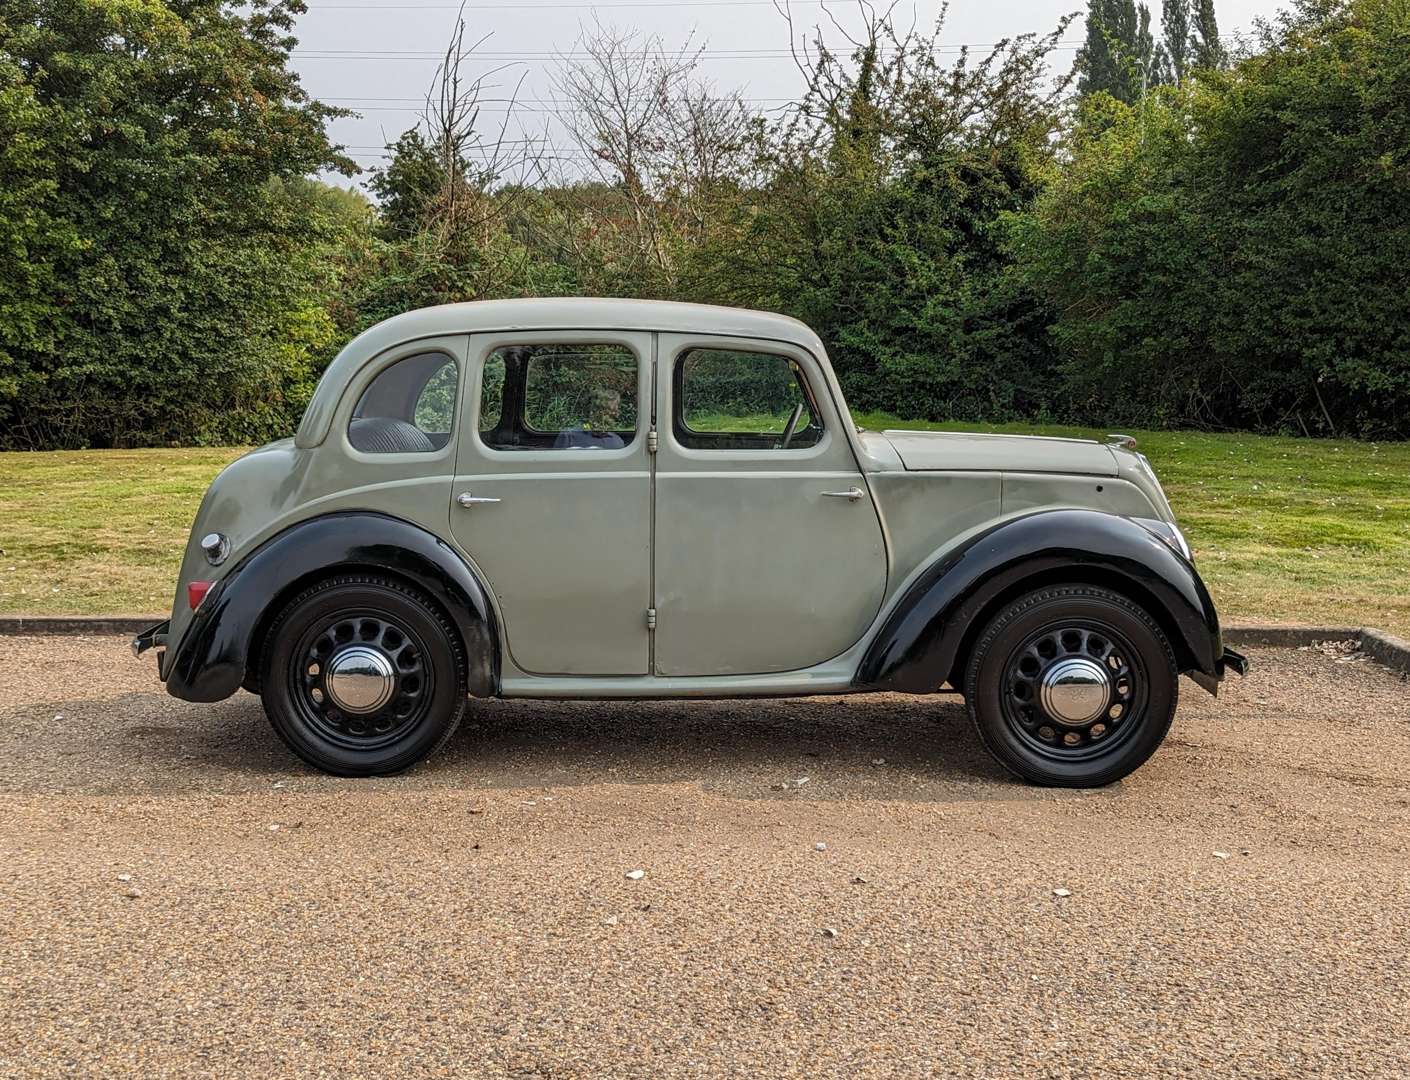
(559, 397)
(727, 399)
(408, 408)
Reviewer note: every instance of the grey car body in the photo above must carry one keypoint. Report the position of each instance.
(665, 564)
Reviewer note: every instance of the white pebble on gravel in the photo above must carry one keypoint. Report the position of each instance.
(635, 875)
(1062, 892)
(1221, 854)
(828, 931)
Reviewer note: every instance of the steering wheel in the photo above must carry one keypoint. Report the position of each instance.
(791, 427)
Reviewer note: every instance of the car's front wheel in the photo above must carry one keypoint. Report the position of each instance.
(1072, 686)
(362, 676)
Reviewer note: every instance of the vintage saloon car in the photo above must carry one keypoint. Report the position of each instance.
(632, 499)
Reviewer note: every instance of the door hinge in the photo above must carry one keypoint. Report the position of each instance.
(651, 618)
(653, 441)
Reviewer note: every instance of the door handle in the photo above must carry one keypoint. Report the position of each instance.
(467, 500)
(851, 494)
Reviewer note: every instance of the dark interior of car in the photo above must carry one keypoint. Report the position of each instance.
(511, 431)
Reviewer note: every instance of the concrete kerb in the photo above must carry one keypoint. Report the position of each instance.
(1384, 648)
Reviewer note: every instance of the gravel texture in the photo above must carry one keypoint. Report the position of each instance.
(181, 898)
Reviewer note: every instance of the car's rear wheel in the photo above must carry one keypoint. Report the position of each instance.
(362, 676)
(1072, 686)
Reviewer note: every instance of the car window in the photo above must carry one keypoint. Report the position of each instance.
(408, 408)
(559, 397)
(728, 399)
(492, 391)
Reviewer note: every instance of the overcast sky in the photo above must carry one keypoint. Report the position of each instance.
(348, 51)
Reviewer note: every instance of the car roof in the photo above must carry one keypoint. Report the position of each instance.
(550, 313)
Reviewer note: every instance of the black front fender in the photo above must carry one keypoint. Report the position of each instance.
(212, 656)
(922, 640)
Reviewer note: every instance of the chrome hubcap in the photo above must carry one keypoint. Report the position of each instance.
(360, 679)
(1075, 690)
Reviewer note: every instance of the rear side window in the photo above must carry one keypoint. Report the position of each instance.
(408, 408)
(559, 397)
(728, 399)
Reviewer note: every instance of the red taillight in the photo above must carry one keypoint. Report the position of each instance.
(196, 592)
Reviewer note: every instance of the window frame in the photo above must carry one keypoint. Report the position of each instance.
(805, 370)
(452, 347)
(559, 339)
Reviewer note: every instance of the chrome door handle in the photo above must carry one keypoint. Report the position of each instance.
(467, 500)
(851, 494)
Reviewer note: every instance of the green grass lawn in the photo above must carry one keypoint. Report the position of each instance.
(1291, 530)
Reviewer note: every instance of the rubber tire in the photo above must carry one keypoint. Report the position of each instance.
(985, 671)
(446, 658)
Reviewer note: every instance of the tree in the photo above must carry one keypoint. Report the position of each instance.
(1207, 53)
(447, 196)
(666, 150)
(1119, 55)
(879, 219)
(161, 262)
(1175, 36)
(1233, 253)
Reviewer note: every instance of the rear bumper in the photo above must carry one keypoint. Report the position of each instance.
(154, 637)
(1229, 661)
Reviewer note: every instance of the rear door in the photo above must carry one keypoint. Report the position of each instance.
(552, 495)
(769, 554)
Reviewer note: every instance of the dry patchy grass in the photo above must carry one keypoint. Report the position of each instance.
(98, 532)
(1295, 530)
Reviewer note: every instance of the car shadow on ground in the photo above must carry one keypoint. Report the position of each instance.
(843, 747)
(756, 748)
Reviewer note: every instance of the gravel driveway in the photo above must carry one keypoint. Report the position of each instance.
(181, 898)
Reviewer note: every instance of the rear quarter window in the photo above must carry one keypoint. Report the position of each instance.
(408, 408)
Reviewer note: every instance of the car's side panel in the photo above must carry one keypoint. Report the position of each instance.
(566, 545)
(210, 661)
(757, 569)
(923, 512)
(1030, 491)
(915, 649)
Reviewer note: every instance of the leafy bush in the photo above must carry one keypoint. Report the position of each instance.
(166, 289)
(1227, 252)
(1236, 252)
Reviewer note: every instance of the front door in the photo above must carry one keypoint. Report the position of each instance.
(552, 495)
(769, 551)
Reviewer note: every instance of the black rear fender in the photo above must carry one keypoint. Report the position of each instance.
(925, 639)
(220, 648)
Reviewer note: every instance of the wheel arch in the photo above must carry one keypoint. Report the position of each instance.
(928, 634)
(1090, 574)
(220, 650)
(259, 633)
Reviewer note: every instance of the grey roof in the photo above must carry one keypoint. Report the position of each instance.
(587, 313)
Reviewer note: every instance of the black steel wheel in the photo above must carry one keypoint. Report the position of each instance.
(363, 676)
(1072, 686)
